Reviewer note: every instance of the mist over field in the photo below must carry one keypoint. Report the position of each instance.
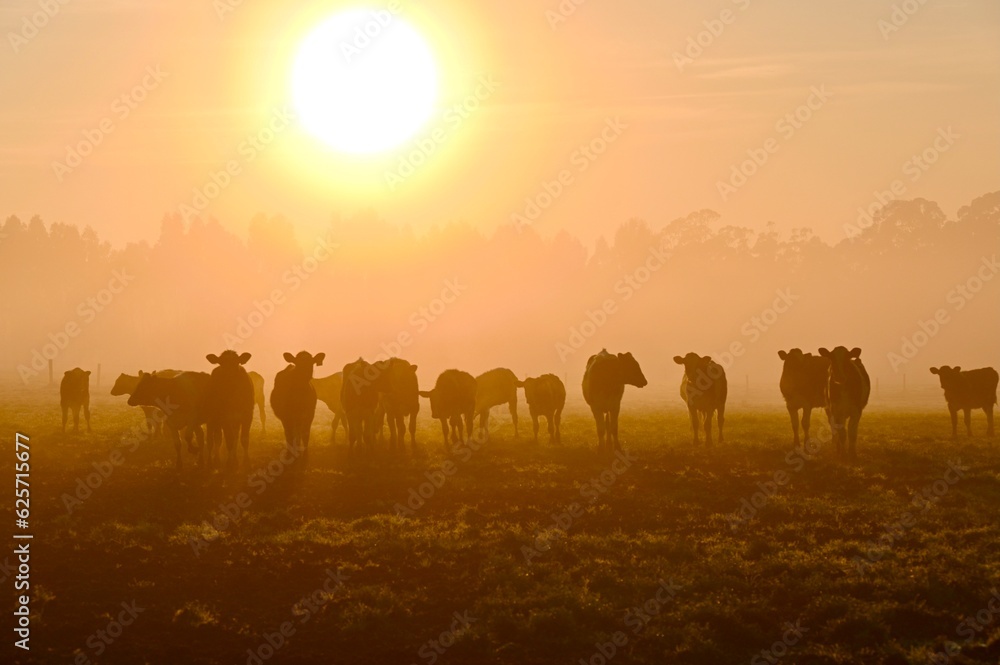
(914, 289)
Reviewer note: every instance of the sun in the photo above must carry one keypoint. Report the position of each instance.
(364, 81)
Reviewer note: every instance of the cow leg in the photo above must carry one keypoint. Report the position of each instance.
(708, 426)
(470, 419)
(989, 420)
(484, 421)
(175, 436)
(852, 435)
(806, 422)
(954, 423)
(413, 431)
(245, 439)
(694, 423)
(534, 426)
(76, 420)
(793, 415)
(599, 419)
(967, 414)
(86, 414)
(614, 426)
(558, 419)
(513, 414)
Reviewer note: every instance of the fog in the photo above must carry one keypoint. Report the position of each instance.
(913, 289)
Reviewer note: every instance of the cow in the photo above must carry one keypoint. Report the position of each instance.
(399, 398)
(847, 390)
(293, 398)
(125, 384)
(971, 389)
(229, 405)
(546, 396)
(803, 385)
(604, 383)
(453, 399)
(328, 391)
(74, 393)
(182, 398)
(494, 388)
(258, 397)
(704, 389)
(360, 397)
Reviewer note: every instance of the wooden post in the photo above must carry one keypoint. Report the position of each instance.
(51, 382)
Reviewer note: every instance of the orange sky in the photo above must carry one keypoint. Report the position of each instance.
(885, 95)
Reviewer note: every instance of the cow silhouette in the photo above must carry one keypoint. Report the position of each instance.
(182, 398)
(546, 397)
(847, 390)
(704, 389)
(229, 405)
(328, 391)
(125, 385)
(293, 398)
(966, 390)
(399, 399)
(360, 396)
(604, 383)
(493, 388)
(453, 401)
(74, 394)
(803, 385)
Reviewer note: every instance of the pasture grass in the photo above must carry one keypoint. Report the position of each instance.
(665, 519)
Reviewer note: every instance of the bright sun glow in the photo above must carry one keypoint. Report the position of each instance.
(364, 82)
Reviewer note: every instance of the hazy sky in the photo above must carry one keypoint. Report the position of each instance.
(880, 95)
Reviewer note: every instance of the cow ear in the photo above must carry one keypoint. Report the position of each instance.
(212, 358)
(289, 357)
(424, 393)
(707, 358)
(825, 353)
(66, 373)
(244, 357)
(414, 368)
(934, 370)
(958, 368)
(856, 352)
(678, 360)
(782, 354)
(318, 358)
(87, 372)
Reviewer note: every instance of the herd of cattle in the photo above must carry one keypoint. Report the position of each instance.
(365, 395)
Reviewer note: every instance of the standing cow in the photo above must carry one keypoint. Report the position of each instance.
(847, 390)
(328, 391)
(494, 388)
(182, 398)
(229, 405)
(604, 384)
(74, 393)
(399, 397)
(971, 389)
(360, 397)
(546, 396)
(453, 400)
(258, 397)
(803, 385)
(125, 385)
(293, 398)
(704, 389)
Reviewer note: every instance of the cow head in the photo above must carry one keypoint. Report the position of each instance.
(631, 372)
(791, 355)
(949, 376)
(121, 385)
(145, 393)
(228, 359)
(305, 361)
(841, 361)
(698, 369)
(530, 388)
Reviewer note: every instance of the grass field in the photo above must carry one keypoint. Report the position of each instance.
(524, 554)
